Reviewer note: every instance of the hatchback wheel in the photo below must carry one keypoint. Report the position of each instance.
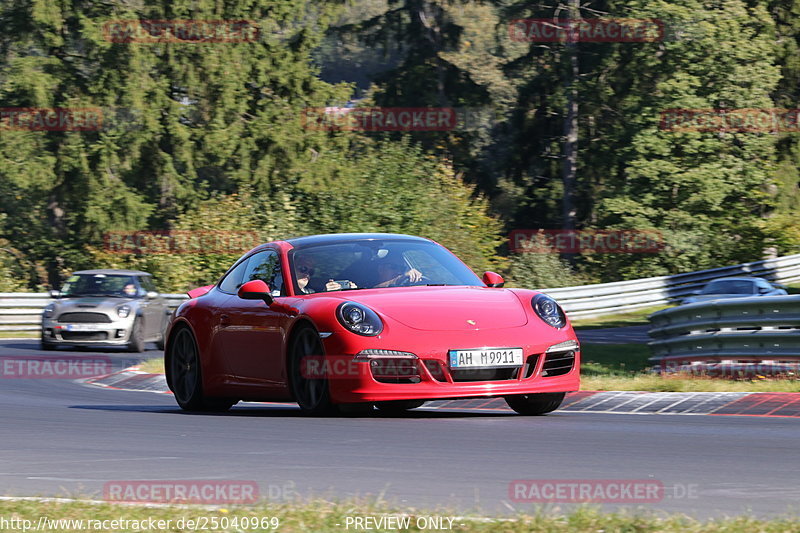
(136, 342)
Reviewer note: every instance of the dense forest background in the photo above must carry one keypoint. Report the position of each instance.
(209, 136)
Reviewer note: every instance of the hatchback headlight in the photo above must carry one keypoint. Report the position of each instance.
(549, 311)
(123, 311)
(49, 310)
(359, 319)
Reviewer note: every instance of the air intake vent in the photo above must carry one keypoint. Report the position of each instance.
(558, 363)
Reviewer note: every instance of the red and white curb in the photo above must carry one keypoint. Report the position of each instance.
(772, 404)
(131, 379)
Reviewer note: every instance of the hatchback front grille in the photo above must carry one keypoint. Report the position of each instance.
(85, 318)
(84, 335)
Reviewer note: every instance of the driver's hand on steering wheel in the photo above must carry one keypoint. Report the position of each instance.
(413, 275)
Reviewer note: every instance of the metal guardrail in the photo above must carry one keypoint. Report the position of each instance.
(610, 298)
(22, 311)
(762, 329)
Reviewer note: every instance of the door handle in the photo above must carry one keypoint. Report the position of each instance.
(224, 320)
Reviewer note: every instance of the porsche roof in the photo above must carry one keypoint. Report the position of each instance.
(344, 237)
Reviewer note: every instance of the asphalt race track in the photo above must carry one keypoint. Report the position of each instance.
(65, 438)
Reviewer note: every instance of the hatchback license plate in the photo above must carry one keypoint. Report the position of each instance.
(486, 358)
(82, 327)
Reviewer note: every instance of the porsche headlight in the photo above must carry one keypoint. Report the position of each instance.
(359, 319)
(49, 310)
(549, 311)
(123, 311)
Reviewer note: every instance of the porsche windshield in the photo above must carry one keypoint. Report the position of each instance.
(100, 285)
(375, 265)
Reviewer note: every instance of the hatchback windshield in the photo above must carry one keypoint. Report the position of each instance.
(100, 285)
(375, 265)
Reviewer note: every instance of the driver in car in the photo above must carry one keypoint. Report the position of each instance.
(394, 272)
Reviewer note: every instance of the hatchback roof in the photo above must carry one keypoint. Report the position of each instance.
(111, 271)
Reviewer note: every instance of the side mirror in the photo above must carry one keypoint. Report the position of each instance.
(492, 279)
(763, 290)
(255, 290)
(55, 294)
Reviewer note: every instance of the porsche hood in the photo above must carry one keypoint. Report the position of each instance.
(447, 308)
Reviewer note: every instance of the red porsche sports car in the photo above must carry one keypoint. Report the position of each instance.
(346, 322)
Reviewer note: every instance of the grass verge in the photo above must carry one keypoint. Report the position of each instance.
(656, 383)
(633, 318)
(19, 334)
(324, 517)
(623, 367)
(152, 366)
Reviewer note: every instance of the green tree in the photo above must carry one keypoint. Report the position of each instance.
(707, 192)
(391, 186)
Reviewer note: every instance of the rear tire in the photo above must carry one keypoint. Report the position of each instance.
(535, 404)
(185, 377)
(46, 346)
(312, 395)
(397, 407)
(136, 342)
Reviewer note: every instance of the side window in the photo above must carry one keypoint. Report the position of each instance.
(147, 283)
(266, 266)
(233, 280)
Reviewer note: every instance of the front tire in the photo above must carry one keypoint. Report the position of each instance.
(535, 404)
(185, 376)
(136, 342)
(397, 407)
(312, 395)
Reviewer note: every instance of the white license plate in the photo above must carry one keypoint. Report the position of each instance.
(82, 327)
(486, 358)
